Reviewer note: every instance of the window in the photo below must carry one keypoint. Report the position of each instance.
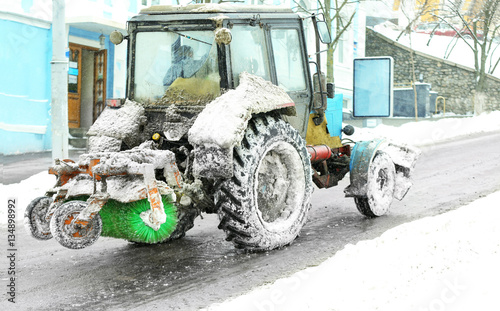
(340, 50)
(167, 65)
(288, 59)
(249, 52)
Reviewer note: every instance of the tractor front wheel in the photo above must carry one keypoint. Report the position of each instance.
(72, 235)
(379, 187)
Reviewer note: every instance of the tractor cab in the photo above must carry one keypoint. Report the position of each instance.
(190, 55)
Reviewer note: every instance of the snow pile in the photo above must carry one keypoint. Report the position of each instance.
(445, 262)
(424, 133)
(223, 123)
(24, 192)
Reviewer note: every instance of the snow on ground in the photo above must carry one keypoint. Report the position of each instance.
(445, 262)
(24, 192)
(439, 46)
(426, 132)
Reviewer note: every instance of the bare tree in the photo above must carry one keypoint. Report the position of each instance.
(479, 28)
(414, 13)
(339, 13)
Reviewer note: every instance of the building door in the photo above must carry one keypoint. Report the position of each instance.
(99, 83)
(74, 85)
(86, 85)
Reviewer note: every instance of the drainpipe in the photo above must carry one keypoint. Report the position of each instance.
(59, 82)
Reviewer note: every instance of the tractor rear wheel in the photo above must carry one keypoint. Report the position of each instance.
(265, 204)
(380, 187)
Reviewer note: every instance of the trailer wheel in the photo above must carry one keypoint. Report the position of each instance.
(34, 218)
(380, 187)
(265, 204)
(69, 234)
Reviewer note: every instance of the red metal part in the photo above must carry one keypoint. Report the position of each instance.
(319, 153)
(329, 165)
(65, 172)
(326, 179)
(346, 149)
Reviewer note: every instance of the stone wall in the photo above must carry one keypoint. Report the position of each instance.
(452, 81)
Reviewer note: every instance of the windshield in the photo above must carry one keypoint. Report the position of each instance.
(175, 67)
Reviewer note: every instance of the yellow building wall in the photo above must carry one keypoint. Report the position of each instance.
(431, 9)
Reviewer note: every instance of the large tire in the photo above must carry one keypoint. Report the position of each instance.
(265, 204)
(380, 187)
(34, 218)
(70, 235)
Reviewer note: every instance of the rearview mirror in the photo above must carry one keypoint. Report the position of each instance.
(323, 32)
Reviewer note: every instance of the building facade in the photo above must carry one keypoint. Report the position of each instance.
(96, 68)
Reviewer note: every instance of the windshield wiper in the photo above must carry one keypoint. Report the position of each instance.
(185, 36)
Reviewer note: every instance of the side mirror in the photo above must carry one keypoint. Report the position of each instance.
(323, 33)
(116, 37)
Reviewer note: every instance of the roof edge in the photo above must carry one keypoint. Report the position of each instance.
(214, 8)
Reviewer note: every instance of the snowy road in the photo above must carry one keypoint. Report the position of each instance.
(202, 268)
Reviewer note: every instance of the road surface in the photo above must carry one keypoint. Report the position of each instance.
(203, 268)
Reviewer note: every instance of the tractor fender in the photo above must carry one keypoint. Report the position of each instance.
(221, 125)
(404, 158)
(361, 157)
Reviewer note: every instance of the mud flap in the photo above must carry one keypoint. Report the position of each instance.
(404, 158)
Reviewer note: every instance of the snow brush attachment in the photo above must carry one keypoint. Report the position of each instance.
(123, 221)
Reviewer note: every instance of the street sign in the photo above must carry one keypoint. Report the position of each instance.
(373, 82)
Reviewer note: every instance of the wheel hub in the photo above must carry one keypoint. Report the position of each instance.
(280, 176)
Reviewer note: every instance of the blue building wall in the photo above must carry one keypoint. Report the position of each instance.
(25, 122)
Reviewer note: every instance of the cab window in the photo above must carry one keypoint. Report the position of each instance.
(288, 59)
(248, 52)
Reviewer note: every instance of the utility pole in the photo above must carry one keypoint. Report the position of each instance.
(59, 82)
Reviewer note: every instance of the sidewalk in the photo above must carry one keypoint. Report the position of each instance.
(21, 166)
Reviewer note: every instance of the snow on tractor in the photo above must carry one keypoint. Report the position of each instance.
(222, 116)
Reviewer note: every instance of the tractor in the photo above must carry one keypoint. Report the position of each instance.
(222, 115)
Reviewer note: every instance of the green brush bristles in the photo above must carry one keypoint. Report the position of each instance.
(123, 221)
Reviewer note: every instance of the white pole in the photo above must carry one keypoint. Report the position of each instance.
(59, 82)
